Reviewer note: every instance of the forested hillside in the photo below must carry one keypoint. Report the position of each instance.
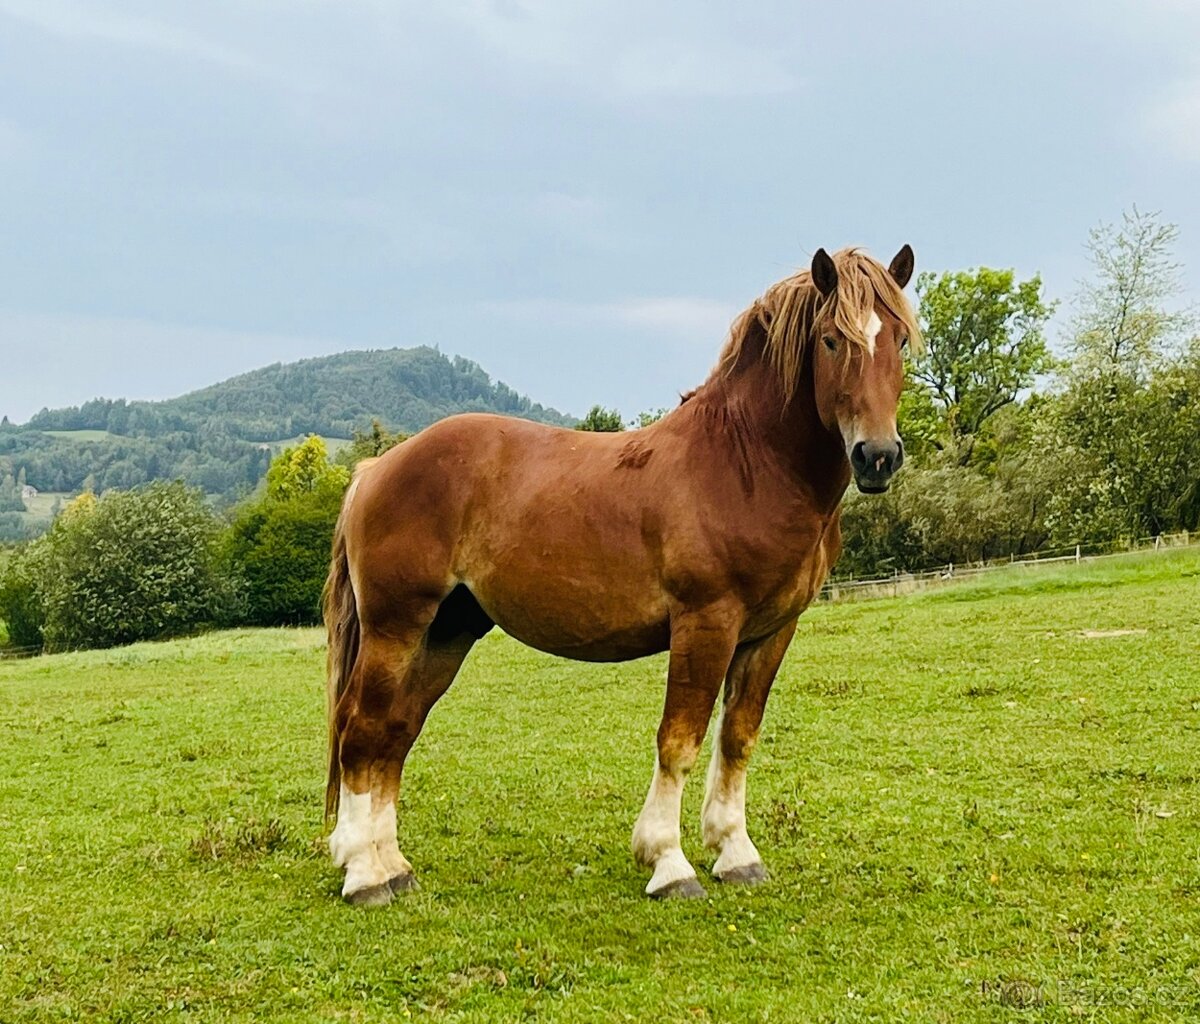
(220, 438)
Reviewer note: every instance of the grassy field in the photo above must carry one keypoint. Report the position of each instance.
(977, 805)
(39, 511)
(81, 435)
(333, 445)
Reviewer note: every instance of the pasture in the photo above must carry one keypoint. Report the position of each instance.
(977, 804)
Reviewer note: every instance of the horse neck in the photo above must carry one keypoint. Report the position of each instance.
(789, 436)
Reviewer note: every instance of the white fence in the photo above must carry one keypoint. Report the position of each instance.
(901, 582)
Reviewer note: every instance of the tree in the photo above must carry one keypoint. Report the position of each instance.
(648, 416)
(1122, 431)
(602, 420)
(1122, 323)
(304, 469)
(279, 543)
(21, 604)
(10, 495)
(133, 565)
(984, 345)
(369, 444)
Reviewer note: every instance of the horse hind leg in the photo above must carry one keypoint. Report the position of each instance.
(433, 670)
(395, 685)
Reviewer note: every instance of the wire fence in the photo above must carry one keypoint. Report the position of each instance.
(18, 652)
(906, 582)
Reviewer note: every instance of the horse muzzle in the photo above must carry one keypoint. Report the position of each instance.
(874, 463)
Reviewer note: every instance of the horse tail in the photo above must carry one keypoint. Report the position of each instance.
(342, 628)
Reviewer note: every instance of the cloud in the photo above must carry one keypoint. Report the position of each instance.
(1175, 119)
(679, 317)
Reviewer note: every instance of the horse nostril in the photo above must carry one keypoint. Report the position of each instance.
(876, 460)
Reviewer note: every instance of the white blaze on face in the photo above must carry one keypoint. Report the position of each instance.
(871, 329)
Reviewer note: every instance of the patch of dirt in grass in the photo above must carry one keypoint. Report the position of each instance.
(1104, 634)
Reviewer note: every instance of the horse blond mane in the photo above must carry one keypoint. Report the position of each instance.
(792, 310)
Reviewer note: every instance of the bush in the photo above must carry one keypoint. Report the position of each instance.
(279, 544)
(133, 565)
(21, 605)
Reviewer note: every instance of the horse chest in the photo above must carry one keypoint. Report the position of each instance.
(781, 597)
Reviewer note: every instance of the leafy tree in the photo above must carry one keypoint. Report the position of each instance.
(369, 444)
(21, 604)
(984, 345)
(132, 565)
(921, 423)
(1124, 453)
(601, 420)
(648, 416)
(1123, 430)
(305, 469)
(1122, 323)
(279, 543)
(10, 495)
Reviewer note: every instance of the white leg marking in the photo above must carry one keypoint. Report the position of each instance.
(671, 867)
(383, 823)
(871, 329)
(723, 819)
(656, 834)
(352, 843)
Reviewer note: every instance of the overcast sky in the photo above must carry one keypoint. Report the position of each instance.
(579, 196)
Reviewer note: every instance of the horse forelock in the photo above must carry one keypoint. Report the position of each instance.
(791, 313)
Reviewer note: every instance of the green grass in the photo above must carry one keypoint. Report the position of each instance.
(973, 809)
(333, 445)
(42, 506)
(81, 435)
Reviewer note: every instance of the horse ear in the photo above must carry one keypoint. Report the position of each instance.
(824, 273)
(901, 267)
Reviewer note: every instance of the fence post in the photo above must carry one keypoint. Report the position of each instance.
(1078, 554)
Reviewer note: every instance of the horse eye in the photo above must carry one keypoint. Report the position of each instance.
(904, 342)
(829, 343)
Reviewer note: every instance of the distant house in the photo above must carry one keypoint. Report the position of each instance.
(28, 491)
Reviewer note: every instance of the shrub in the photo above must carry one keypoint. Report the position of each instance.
(133, 565)
(21, 605)
(279, 543)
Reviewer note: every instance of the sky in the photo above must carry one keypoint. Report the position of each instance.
(578, 196)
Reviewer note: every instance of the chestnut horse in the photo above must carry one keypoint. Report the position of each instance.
(705, 534)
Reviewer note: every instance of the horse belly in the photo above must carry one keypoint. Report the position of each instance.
(575, 618)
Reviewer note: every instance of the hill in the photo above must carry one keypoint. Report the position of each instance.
(405, 388)
(220, 437)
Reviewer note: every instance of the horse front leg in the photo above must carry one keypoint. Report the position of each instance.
(723, 818)
(702, 644)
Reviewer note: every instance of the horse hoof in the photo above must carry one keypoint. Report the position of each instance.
(680, 889)
(404, 883)
(745, 874)
(371, 896)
